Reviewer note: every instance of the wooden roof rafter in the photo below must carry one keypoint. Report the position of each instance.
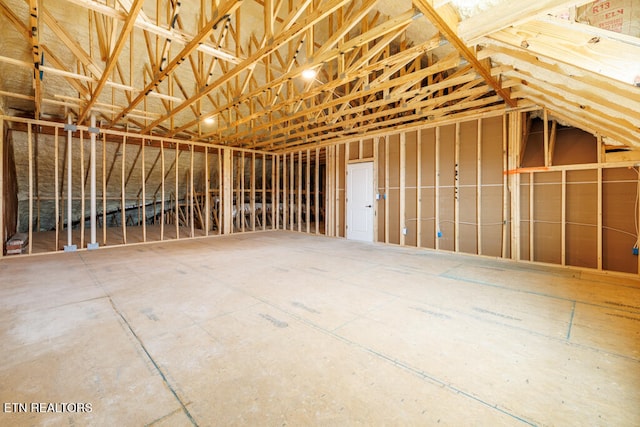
(451, 35)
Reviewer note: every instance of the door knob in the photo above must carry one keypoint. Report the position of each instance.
(368, 206)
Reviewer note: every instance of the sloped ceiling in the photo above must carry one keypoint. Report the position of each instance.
(231, 72)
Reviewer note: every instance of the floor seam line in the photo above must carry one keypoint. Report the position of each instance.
(144, 348)
(399, 364)
(156, 366)
(540, 294)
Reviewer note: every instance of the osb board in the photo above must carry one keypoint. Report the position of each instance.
(427, 154)
(491, 149)
(468, 161)
(619, 190)
(547, 215)
(534, 148)
(492, 224)
(427, 219)
(574, 146)
(524, 216)
(467, 224)
(582, 218)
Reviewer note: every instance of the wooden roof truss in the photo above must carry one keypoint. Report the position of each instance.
(165, 67)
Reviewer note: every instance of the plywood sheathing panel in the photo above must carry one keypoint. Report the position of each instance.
(382, 193)
(340, 189)
(367, 149)
(620, 186)
(354, 150)
(581, 218)
(547, 217)
(393, 197)
(447, 190)
(411, 180)
(534, 148)
(492, 188)
(427, 187)
(574, 146)
(525, 216)
(467, 220)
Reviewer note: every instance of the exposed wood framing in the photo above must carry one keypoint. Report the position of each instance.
(453, 38)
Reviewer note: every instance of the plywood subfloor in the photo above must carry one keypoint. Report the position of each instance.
(281, 328)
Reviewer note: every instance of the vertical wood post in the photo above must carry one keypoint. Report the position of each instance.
(479, 189)
(419, 189)
(403, 178)
(144, 193)
(30, 150)
(162, 196)
(207, 193)
(83, 183)
(56, 188)
(456, 190)
(436, 171)
(69, 246)
(177, 195)
(3, 236)
(123, 189)
(227, 197)
(93, 244)
(104, 189)
(316, 194)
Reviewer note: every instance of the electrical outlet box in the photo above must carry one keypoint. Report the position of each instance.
(635, 251)
(377, 196)
(404, 231)
(439, 233)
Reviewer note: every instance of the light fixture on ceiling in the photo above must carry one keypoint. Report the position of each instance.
(209, 120)
(309, 74)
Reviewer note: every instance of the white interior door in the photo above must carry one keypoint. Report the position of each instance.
(360, 201)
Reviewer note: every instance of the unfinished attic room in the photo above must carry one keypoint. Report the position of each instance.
(331, 213)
